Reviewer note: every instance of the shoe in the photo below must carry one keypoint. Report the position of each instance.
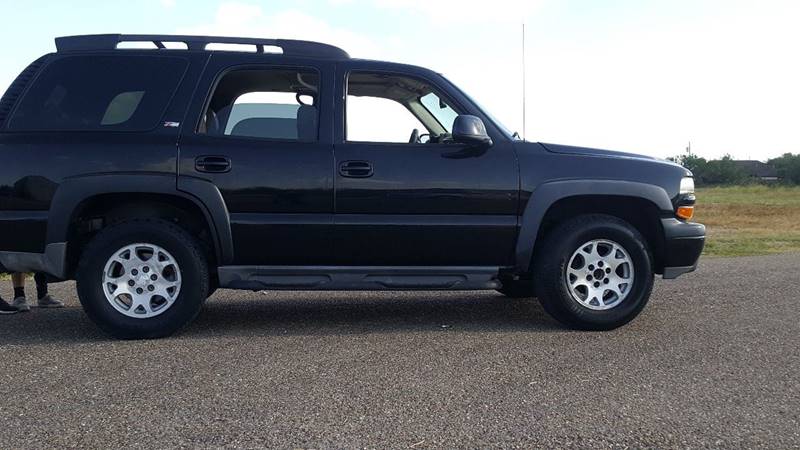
(49, 302)
(21, 303)
(5, 308)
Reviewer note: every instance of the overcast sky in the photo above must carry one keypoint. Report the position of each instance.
(638, 75)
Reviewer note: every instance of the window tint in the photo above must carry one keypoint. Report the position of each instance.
(268, 104)
(100, 93)
(388, 108)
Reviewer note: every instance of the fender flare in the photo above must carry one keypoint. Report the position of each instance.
(546, 195)
(73, 191)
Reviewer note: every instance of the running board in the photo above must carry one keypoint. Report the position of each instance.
(352, 278)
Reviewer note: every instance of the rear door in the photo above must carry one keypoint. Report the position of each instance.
(261, 133)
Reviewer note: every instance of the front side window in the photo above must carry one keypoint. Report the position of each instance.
(396, 109)
(264, 103)
(90, 93)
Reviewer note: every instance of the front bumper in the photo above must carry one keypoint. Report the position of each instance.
(683, 244)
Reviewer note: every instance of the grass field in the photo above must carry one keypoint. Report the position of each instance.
(749, 220)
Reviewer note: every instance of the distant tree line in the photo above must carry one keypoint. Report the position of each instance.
(724, 171)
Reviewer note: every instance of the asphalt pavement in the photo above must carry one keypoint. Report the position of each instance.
(713, 361)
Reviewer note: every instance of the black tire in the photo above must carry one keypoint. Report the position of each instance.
(518, 289)
(180, 244)
(552, 260)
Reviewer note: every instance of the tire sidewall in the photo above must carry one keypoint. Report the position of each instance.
(194, 284)
(637, 298)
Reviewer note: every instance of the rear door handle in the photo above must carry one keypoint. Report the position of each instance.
(212, 164)
(356, 169)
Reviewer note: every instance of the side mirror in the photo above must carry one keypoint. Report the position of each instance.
(470, 130)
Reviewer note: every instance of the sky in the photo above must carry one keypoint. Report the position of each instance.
(647, 76)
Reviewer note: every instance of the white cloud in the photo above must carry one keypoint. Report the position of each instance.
(169, 4)
(723, 77)
(725, 83)
(249, 20)
(466, 11)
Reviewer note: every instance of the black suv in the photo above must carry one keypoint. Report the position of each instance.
(155, 169)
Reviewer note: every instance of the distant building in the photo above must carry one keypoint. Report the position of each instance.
(758, 170)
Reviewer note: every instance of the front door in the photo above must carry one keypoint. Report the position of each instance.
(261, 137)
(406, 195)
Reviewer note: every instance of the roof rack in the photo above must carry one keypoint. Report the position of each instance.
(111, 41)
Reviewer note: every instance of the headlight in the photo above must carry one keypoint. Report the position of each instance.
(685, 208)
(687, 185)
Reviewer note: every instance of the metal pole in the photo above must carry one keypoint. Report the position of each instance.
(524, 118)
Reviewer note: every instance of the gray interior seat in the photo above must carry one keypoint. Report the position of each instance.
(266, 127)
(307, 123)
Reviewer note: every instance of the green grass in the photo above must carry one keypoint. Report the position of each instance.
(750, 220)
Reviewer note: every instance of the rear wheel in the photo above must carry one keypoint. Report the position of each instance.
(142, 279)
(594, 272)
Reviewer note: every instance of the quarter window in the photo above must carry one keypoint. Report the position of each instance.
(86, 93)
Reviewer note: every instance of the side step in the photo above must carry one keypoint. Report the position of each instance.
(353, 278)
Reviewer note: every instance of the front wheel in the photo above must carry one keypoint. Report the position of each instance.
(142, 279)
(594, 272)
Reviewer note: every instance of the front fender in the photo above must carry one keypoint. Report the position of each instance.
(547, 194)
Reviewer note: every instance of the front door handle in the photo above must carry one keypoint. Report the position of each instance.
(356, 169)
(212, 164)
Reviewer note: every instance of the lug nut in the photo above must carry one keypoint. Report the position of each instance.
(134, 272)
(151, 288)
(139, 290)
(600, 264)
(596, 284)
(131, 283)
(154, 277)
(608, 269)
(146, 269)
(591, 267)
(605, 281)
(588, 277)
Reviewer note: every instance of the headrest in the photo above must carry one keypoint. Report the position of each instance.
(307, 123)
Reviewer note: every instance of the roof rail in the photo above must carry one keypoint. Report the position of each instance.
(111, 41)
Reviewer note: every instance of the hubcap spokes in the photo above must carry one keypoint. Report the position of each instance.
(599, 275)
(141, 280)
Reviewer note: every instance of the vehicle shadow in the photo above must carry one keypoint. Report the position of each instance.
(230, 313)
(324, 313)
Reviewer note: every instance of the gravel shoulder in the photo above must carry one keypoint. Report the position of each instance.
(712, 362)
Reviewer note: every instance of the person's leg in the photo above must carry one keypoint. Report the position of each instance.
(20, 302)
(44, 298)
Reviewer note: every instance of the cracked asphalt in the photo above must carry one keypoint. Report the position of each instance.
(712, 362)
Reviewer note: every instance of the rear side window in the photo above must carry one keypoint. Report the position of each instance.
(276, 104)
(87, 93)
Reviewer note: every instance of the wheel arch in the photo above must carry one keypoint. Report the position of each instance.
(78, 195)
(640, 204)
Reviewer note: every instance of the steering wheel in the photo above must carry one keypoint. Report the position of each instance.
(414, 139)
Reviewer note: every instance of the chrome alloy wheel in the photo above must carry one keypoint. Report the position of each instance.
(141, 280)
(600, 274)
